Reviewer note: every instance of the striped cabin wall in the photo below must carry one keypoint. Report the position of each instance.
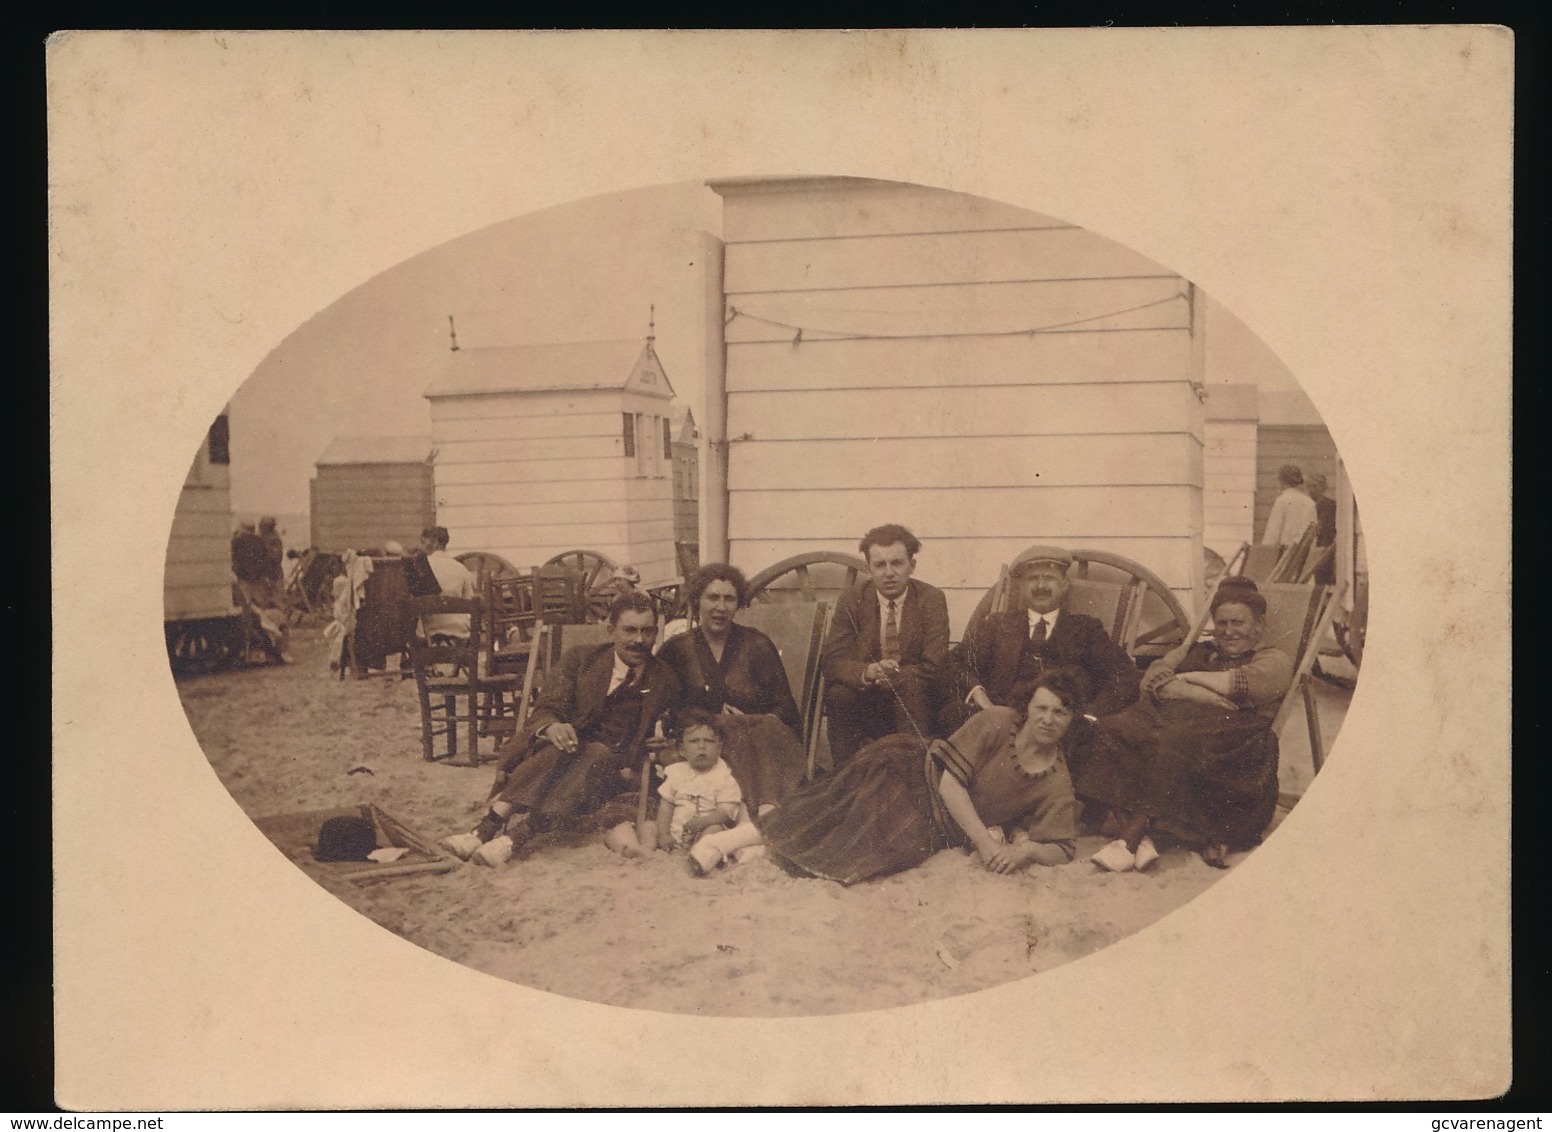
(915, 392)
(1229, 468)
(363, 506)
(197, 579)
(534, 473)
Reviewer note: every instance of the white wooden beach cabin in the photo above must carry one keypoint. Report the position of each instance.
(370, 489)
(197, 584)
(985, 375)
(547, 448)
(687, 489)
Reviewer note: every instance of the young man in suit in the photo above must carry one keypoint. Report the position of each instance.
(588, 733)
(1003, 654)
(886, 641)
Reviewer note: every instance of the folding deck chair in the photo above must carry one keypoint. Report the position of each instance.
(797, 629)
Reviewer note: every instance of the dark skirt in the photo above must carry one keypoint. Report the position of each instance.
(873, 816)
(1209, 772)
(765, 757)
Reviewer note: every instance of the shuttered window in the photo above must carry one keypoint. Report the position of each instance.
(629, 433)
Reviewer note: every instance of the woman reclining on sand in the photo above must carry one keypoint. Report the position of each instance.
(898, 802)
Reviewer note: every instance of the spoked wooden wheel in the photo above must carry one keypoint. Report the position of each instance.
(820, 575)
(1351, 632)
(592, 573)
(483, 562)
(1156, 619)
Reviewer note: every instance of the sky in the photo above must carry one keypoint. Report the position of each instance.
(583, 271)
(586, 270)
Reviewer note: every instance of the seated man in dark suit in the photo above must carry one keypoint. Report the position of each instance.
(1004, 654)
(886, 641)
(588, 733)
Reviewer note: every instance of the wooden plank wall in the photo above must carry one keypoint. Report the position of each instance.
(1229, 468)
(198, 577)
(363, 506)
(913, 395)
(531, 475)
(1308, 446)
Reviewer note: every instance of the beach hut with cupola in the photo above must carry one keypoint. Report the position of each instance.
(546, 448)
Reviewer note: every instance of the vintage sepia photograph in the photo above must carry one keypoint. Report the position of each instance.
(1059, 457)
(935, 563)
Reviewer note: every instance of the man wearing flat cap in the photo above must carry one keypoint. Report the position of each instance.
(1003, 654)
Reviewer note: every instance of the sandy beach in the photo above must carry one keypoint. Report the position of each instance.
(571, 918)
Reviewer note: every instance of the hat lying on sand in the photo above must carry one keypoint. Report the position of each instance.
(345, 839)
(1035, 554)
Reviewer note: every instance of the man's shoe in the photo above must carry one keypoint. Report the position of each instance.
(1115, 858)
(1147, 854)
(490, 826)
(497, 851)
(463, 845)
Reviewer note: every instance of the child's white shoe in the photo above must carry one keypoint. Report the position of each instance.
(1115, 858)
(704, 857)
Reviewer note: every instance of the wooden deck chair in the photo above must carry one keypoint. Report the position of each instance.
(548, 646)
(797, 629)
(1319, 556)
(454, 683)
(1298, 615)
(1291, 564)
(296, 834)
(1255, 561)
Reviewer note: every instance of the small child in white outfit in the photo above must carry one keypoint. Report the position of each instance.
(699, 795)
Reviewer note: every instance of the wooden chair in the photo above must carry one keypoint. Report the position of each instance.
(1298, 616)
(797, 629)
(557, 596)
(454, 684)
(1255, 561)
(549, 645)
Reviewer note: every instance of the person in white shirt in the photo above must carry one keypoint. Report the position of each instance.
(1292, 511)
(454, 578)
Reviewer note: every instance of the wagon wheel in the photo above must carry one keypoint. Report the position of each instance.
(482, 562)
(592, 572)
(196, 648)
(1158, 621)
(1350, 634)
(814, 575)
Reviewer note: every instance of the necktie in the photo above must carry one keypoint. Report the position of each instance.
(1037, 634)
(891, 635)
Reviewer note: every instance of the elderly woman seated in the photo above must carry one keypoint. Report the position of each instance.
(1197, 752)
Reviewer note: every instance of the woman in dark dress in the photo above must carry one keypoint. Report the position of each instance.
(1198, 750)
(901, 800)
(737, 671)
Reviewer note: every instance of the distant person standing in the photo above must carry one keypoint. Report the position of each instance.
(1292, 511)
(454, 578)
(274, 550)
(259, 591)
(1325, 529)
